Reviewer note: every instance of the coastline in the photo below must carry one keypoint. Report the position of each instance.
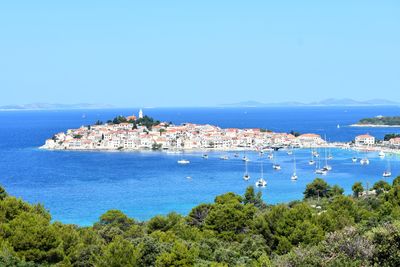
(374, 125)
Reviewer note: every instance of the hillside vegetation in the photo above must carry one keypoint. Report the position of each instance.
(326, 228)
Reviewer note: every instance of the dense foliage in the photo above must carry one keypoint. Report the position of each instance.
(147, 121)
(381, 121)
(327, 228)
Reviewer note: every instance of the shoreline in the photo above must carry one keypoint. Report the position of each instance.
(374, 125)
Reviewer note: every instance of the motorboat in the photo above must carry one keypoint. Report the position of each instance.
(183, 161)
(364, 161)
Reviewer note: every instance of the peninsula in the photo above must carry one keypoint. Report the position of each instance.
(379, 121)
(145, 133)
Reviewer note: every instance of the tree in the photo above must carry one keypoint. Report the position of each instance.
(357, 189)
(381, 187)
(396, 181)
(318, 188)
(3, 193)
(336, 191)
(251, 198)
(120, 252)
(198, 215)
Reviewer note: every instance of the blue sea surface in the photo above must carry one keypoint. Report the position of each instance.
(77, 187)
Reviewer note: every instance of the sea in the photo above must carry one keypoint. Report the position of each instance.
(77, 187)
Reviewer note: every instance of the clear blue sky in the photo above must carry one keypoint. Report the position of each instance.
(192, 53)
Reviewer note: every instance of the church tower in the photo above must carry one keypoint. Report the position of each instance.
(140, 114)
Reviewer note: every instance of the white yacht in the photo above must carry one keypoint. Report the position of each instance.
(205, 156)
(294, 175)
(381, 154)
(354, 159)
(246, 175)
(364, 161)
(276, 167)
(388, 172)
(261, 182)
(183, 161)
(311, 161)
(224, 157)
(327, 167)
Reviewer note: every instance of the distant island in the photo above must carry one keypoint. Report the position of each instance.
(52, 106)
(379, 121)
(325, 102)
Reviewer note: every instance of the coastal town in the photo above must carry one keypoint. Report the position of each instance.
(164, 136)
(129, 134)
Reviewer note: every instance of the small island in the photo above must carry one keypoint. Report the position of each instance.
(145, 133)
(379, 121)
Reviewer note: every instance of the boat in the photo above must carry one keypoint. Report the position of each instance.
(381, 154)
(261, 182)
(327, 167)
(294, 175)
(183, 161)
(224, 157)
(246, 175)
(364, 161)
(315, 153)
(205, 156)
(319, 170)
(290, 152)
(245, 158)
(270, 156)
(388, 172)
(276, 167)
(338, 126)
(311, 161)
(354, 159)
(236, 155)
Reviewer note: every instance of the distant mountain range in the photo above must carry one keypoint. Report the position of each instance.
(325, 102)
(49, 106)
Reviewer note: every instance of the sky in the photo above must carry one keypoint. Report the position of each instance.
(198, 53)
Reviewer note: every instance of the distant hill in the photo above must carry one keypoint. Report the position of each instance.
(325, 102)
(49, 106)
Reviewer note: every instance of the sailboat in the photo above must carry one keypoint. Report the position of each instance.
(246, 175)
(388, 172)
(261, 182)
(312, 161)
(319, 170)
(276, 166)
(294, 175)
(327, 167)
(245, 158)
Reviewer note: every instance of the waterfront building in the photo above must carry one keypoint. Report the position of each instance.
(395, 142)
(364, 140)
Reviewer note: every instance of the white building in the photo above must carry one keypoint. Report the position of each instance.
(364, 140)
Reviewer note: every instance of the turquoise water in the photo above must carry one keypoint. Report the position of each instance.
(77, 187)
